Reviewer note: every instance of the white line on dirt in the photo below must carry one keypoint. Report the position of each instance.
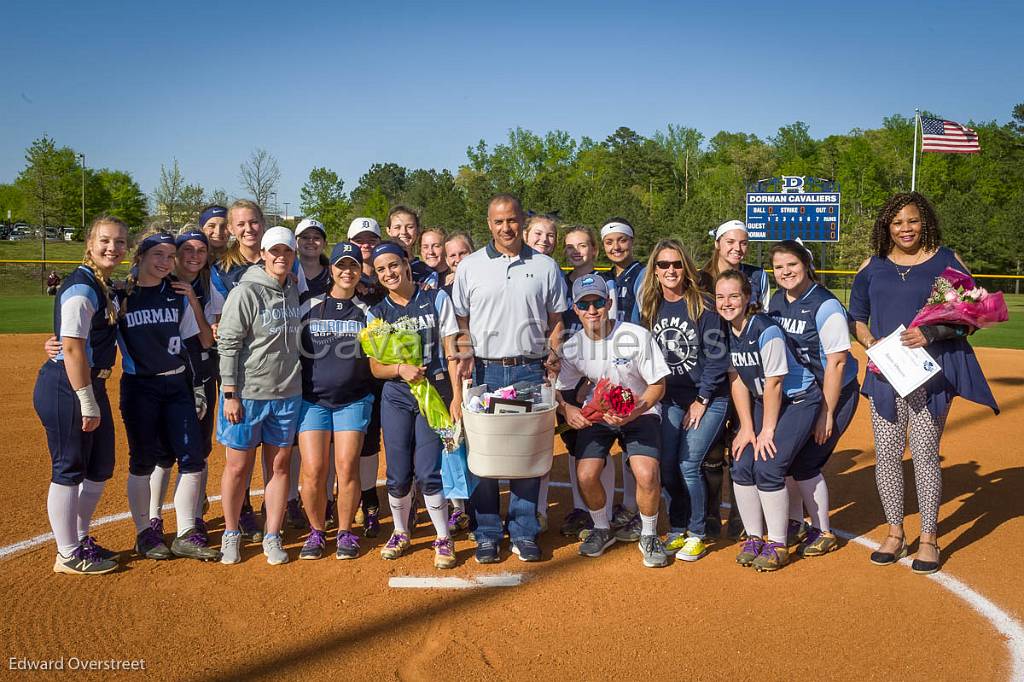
(427, 583)
(1003, 622)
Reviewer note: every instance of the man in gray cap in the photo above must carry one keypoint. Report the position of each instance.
(628, 356)
(509, 300)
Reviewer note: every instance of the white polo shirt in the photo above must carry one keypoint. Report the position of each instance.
(507, 300)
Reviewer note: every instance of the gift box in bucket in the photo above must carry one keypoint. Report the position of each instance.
(509, 445)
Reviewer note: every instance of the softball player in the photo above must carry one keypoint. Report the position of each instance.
(70, 398)
(777, 402)
(730, 249)
(365, 233)
(191, 279)
(261, 380)
(404, 227)
(412, 448)
(580, 247)
(161, 402)
(625, 278)
(213, 222)
(337, 398)
(815, 319)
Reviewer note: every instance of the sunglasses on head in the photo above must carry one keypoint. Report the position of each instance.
(597, 304)
(666, 264)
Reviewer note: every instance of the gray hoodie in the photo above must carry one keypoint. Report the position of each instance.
(258, 338)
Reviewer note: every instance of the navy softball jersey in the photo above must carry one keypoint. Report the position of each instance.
(80, 312)
(429, 313)
(760, 288)
(696, 351)
(315, 290)
(626, 285)
(762, 349)
(818, 325)
(335, 371)
(423, 273)
(153, 330)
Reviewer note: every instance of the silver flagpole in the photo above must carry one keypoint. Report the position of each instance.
(913, 168)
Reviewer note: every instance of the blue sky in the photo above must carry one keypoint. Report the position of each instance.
(343, 85)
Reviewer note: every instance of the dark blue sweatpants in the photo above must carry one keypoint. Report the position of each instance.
(411, 447)
(795, 426)
(159, 416)
(74, 454)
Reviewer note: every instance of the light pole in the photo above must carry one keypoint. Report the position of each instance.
(286, 210)
(82, 157)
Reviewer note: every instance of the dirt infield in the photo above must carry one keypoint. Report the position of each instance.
(836, 617)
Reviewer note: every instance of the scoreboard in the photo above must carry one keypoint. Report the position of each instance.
(792, 206)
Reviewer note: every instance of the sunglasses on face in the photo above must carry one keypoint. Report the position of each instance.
(666, 264)
(597, 304)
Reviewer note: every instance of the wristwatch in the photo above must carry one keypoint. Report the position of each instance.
(703, 401)
(229, 395)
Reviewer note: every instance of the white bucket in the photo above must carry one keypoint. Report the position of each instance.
(508, 445)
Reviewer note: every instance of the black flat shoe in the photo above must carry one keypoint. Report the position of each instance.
(886, 558)
(926, 567)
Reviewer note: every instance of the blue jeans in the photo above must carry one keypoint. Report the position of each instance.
(485, 502)
(682, 456)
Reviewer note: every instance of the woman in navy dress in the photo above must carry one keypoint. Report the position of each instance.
(888, 291)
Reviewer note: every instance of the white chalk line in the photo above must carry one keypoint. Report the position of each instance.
(1002, 621)
(436, 583)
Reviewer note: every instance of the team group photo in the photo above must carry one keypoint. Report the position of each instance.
(667, 403)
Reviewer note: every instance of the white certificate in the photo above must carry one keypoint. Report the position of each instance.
(905, 368)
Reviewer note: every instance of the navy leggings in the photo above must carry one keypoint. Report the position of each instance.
(812, 457)
(411, 447)
(159, 416)
(74, 454)
(795, 426)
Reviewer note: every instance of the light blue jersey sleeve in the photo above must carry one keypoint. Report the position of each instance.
(833, 331)
(774, 358)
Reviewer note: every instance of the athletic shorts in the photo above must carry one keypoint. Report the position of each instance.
(352, 417)
(640, 437)
(264, 421)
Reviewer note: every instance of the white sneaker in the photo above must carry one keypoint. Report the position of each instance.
(273, 551)
(229, 548)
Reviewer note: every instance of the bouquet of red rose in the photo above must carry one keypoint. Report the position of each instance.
(608, 398)
(956, 299)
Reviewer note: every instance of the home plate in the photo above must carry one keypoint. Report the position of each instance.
(453, 583)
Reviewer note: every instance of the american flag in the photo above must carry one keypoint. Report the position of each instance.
(938, 135)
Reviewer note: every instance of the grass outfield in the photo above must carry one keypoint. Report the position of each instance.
(27, 314)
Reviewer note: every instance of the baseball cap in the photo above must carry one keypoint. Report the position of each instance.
(361, 225)
(309, 224)
(589, 285)
(348, 250)
(726, 227)
(278, 235)
(615, 226)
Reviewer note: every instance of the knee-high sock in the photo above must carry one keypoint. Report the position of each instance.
(62, 508)
(776, 513)
(437, 507)
(628, 485)
(158, 481)
(608, 481)
(332, 476)
(185, 496)
(368, 471)
(814, 492)
(293, 478)
(748, 503)
(577, 499)
(204, 477)
(400, 508)
(88, 497)
(138, 501)
(796, 501)
(542, 496)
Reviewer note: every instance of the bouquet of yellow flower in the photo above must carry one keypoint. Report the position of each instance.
(397, 343)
